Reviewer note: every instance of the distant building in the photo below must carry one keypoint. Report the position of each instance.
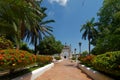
(66, 52)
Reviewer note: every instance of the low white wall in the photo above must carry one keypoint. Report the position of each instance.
(34, 74)
(94, 74)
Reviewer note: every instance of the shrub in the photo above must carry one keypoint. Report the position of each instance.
(57, 57)
(13, 59)
(4, 43)
(108, 63)
(43, 60)
(87, 60)
(73, 58)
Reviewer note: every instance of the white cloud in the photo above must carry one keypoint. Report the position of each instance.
(51, 13)
(61, 2)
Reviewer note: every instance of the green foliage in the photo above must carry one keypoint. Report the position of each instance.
(108, 43)
(49, 46)
(90, 31)
(57, 57)
(74, 58)
(108, 28)
(85, 53)
(29, 25)
(108, 63)
(4, 43)
(25, 47)
(109, 6)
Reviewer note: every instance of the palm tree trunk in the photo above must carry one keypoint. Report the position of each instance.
(89, 46)
(35, 46)
(89, 39)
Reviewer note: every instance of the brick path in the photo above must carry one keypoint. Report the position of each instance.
(64, 70)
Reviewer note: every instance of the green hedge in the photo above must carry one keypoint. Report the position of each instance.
(108, 63)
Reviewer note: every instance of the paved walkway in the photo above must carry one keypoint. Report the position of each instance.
(64, 70)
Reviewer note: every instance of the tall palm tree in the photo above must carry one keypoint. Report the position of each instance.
(17, 16)
(42, 29)
(89, 31)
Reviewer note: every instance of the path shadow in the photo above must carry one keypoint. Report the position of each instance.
(71, 65)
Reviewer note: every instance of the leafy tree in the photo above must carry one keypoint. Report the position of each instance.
(19, 26)
(49, 46)
(25, 47)
(13, 22)
(108, 28)
(85, 53)
(89, 31)
(107, 44)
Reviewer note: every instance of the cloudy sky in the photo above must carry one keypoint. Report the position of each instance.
(69, 16)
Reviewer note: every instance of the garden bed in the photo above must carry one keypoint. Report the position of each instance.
(34, 74)
(95, 75)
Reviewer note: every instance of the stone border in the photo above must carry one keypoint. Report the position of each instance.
(34, 74)
(95, 75)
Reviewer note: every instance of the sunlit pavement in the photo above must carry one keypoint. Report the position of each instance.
(65, 70)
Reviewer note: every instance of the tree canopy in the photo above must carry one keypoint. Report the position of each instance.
(49, 46)
(108, 28)
(23, 19)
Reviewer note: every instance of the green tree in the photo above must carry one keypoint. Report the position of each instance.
(42, 29)
(14, 23)
(49, 46)
(85, 53)
(29, 25)
(89, 31)
(109, 27)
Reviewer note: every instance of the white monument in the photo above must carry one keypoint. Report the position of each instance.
(66, 52)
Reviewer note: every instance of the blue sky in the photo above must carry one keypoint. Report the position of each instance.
(69, 16)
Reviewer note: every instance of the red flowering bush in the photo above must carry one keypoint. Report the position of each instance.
(42, 60)
(87, 60)
(13, 59)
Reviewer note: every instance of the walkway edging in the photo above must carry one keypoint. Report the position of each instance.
(93, 74)
(34, 74)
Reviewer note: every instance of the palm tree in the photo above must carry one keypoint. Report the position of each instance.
(12, 21)
(41, 30)
(89, 31)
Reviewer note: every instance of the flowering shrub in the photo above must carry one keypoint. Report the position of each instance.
(4, 43)
(86, 59)
(42, 60)
(13, 59)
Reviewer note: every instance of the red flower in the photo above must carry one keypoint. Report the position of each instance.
(22, 55)
(1, 57)
(19, 61)
(12, 59)
(2, 63)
